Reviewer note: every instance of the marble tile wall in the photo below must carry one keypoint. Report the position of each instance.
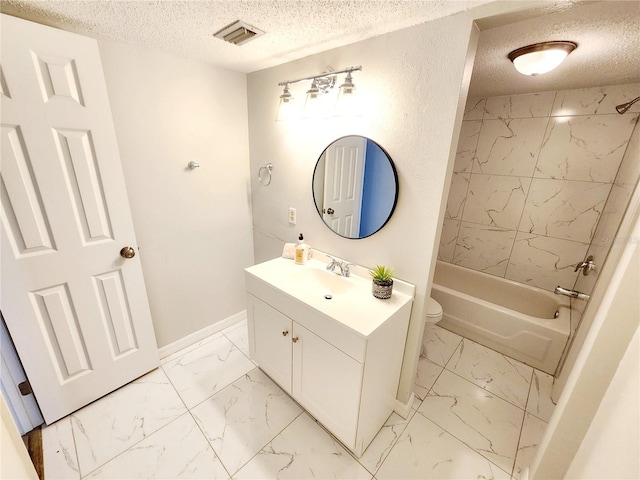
(626, 181)
(531, 180)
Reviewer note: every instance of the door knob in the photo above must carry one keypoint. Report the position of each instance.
(294, 339)
(330, 211)
(285, 333)
(127, 252)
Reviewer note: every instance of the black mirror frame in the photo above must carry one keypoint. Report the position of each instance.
(395, 177)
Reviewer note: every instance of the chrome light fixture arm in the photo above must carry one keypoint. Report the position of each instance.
(321, 75)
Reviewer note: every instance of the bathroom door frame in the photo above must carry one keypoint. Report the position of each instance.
(600, 344)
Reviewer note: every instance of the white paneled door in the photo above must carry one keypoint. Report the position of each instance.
(343, 181)
(76, 308)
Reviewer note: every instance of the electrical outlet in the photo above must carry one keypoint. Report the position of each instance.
(292, 215)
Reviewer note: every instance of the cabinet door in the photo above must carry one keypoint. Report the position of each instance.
(270, 341)
(327, 382)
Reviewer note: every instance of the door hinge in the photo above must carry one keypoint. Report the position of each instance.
(25, 388)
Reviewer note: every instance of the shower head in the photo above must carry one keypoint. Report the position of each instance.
(626, 106)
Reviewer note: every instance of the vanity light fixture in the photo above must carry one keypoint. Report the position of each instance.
(316, 103)
(347, 102)
(542, 57)
(287, 105)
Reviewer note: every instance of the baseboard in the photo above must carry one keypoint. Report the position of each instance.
(201, 334)
(404, 409)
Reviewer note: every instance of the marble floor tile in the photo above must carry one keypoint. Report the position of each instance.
(241, 419)
(59, 456)
(303, 451)
(503, 376)
(177, 450)
(426, 376)
(540, 403)
(112, 424)
(532, 432)
(201, 372)
(439, 344)
(481, 420)
(384, 441)
(239, 336)
(425, 451)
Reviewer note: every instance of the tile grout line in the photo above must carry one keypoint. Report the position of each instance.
(515, 460)
(524, 412)
(131, 446)
(75, 447)
(206, 439)
(485, 389)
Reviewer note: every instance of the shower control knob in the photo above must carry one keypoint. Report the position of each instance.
(127, 252)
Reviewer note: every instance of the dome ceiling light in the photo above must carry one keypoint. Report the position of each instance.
(542, 57)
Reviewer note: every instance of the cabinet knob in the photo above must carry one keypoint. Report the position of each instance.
(285, 333)
(294, 339)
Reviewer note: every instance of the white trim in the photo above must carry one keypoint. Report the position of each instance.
(404, 409)
(201, 334)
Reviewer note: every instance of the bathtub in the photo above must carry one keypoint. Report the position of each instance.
(514, 319)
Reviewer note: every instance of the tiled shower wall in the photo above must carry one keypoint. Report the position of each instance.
(531, 178)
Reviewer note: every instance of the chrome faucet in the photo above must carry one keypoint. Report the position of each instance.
(571, 293)
(586, 266)
(343, 266)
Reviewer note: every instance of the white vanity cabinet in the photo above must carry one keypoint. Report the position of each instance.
(322, 378)
(345, 377)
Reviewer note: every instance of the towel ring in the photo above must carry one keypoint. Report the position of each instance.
(264, 174)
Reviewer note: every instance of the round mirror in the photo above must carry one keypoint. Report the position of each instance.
(355, 187)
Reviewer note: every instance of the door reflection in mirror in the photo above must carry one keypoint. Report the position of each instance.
(355, 187)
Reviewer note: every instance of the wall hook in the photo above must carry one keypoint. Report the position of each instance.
(193, 165)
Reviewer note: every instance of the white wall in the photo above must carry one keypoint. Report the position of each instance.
(610, 447)
(413, 87)
(575, 428)
(193, 227)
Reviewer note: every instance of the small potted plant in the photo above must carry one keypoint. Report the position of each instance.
(382, 281)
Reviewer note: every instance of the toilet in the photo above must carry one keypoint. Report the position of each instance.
(432, 316)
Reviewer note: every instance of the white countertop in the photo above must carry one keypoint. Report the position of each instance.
(352, 303)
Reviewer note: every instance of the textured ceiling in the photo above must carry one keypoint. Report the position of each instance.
(294, 28)
(607, 32)
(608, 53)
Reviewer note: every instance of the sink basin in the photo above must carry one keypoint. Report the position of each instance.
(301, 290)
(323, 281)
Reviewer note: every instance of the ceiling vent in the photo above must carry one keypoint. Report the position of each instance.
(238, 33)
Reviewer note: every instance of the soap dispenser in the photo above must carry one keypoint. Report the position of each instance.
(302, 251)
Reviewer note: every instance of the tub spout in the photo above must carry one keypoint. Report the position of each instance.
(571, 293)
